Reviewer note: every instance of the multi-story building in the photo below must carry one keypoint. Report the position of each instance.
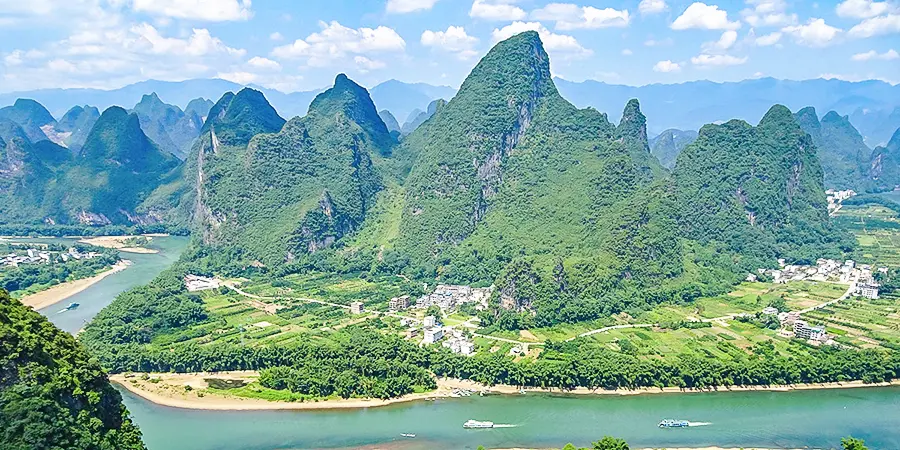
(399, 303)
(356, 308)
(432, 335)
(429, 321)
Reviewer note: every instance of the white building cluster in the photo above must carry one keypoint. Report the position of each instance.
(433, 332)
(824, 270)
(36, 256)
(835, 198)
(195, 283)
(448, 297)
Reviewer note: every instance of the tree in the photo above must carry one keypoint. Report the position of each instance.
(851, 443)
(569, 446)
(610, 443)
(434, 310)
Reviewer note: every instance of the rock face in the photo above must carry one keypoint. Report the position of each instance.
(295, 191)
(755, 188)
(669, 144)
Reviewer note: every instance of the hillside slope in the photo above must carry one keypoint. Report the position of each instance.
(52, 393)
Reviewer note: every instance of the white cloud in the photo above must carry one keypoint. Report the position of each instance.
(652, 6)
(276, 36)
(61, 65)
(815, 33)
(209, 10)
(497, 10)
(863, 9)
(872, 54)
(408, 6)
(667, 66)
(365, 64)
(454, 40)
(569, 16)
(627, 52)
(261, 63)
(200, 43)
(768, 39)
(876, 26)
(717, 60)
(14, 58)
(242, 78)
(561, 45)
(725, 42)
(336, 41)
(768, 13)
(703, 16)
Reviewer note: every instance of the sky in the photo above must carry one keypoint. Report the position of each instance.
(295, 45)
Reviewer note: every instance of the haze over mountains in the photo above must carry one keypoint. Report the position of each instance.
(873, 106)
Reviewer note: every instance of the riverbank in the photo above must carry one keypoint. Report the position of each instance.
(60, 292)
(169, 389)
(119, 243)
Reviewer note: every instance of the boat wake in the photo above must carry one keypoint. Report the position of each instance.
(699, 424)
(504, 425)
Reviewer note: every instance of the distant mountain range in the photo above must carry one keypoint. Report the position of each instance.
(873, 106)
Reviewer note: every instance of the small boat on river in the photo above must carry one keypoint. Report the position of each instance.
(670, 423)
(478, 424)
(407, 435)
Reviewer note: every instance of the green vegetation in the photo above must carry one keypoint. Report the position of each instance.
(766, 198)
(29, 278)
(31, 116)
(841, 150)
(885, 165)
(52, 394)
(236, 118)
(170, 128)
(78, 121)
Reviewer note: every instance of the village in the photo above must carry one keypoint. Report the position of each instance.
(835, 199)
(38, 256)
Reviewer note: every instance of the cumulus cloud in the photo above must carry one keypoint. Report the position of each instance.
(705, 60)
(570, 17)
(876, 26)
(207, 10)
(872, 54)
(768, 39)
(561, 45)
(768, 13)
(703, 16)
(200, 43)
(725, 42)
(647, 7)
(863, 9)
(408, 6)
(627, 52)
(276, 36)
(496, 10)
(667, 66)
(261, 63)
(815, 33)
(335, 41)
(454, 40)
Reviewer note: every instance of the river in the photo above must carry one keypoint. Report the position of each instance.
(144, 268)
(740, 419)
(796, 419)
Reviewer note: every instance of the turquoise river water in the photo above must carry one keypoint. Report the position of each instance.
(817, 419)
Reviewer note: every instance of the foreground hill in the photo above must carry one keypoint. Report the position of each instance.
(52, 393)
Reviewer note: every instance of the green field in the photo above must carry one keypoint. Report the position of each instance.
(862, 322)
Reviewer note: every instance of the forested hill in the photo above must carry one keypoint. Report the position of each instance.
(76, 124)
(884, 168)
(669, 144)
(758, 189)
(841, 150)
(53, 395)
(236, 118)
(170, 128)
(31, 116)
(296, 191)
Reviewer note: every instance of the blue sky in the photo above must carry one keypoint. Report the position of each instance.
(302, 44)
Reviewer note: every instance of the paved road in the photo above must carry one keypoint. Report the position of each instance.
(614, 327)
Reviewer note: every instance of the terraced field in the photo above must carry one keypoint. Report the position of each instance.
(862, 322)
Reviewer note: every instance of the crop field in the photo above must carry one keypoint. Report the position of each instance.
(862, 322)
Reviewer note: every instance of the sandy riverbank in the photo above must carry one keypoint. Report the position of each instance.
(60, 292)
(170, 391)
(118, 243)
